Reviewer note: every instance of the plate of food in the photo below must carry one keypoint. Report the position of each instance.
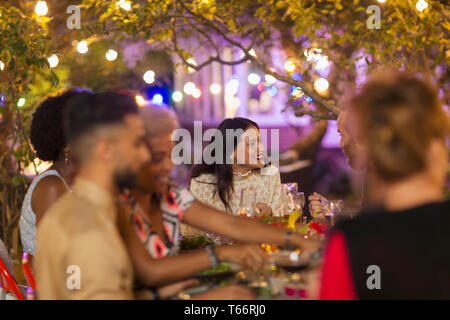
(223, 270)
(194, 242)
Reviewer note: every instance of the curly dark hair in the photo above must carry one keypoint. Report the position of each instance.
(46, 133)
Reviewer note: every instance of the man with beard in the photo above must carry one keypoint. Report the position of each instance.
(80, 253)
(354, 151)
(86, 247)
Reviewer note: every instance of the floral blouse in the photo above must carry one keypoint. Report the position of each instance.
(173, 204)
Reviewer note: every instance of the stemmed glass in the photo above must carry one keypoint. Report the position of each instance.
(288, 195)
(332, 209)
(247, 205)
(296, 202)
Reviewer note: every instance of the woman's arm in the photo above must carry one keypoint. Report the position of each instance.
(46, 193)
(152, 272)
(241, 229)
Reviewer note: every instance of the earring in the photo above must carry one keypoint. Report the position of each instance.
(66, 158)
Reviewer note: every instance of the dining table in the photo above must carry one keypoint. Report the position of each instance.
(283, 276)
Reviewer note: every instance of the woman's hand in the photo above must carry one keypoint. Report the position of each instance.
(173, 288)
(247, 255)
(231, 292)
(315, 204)
(263, 209)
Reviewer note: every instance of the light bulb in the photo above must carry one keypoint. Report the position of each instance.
(111, 55)
(41, 8)
(82, 47)
(53, 60)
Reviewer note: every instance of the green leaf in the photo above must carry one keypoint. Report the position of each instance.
(54, 79)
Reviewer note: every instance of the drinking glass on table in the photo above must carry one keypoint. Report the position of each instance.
(247, 205)
(332, 209)
(288, 198)
(336, 208)
(301, 199)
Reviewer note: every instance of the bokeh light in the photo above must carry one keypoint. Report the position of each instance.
(111, 55)
(189, 88)
(53, 60)
(149, 76)
(215, 88)
(253, 78)
(82, 47)
(177, 96)
(41, 8)
(321, 85)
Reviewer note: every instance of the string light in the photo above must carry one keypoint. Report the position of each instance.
(2, 66)
(53, 60)
(140, 100)
(177, 96)
(270, 79)
(289, 66)
(253, 78)
(189, 88)
(191, 61)
(82, 47)
(125, 5)
(321, 85)
(313, 55)
(215, 88)
(41, 8)
(381, 1)
(197, 93)
(111, 55)
(21, 102)
(149, 76)
(232, 87)
(421, 5)
(252, 53)
(157, 99)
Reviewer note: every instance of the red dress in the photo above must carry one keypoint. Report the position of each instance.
(336, 278)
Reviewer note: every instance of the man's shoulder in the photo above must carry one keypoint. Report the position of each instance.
(69, 214)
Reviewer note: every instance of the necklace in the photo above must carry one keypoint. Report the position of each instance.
(242, 174)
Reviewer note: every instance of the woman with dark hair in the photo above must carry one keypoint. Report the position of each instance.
(219, 184)
(158, 208)
(398, 251)
(48, 141)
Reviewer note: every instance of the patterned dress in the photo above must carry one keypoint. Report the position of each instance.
(173, 205)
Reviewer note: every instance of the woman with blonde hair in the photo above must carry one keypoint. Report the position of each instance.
(399, 251)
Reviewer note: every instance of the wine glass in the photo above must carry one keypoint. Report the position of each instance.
(288, 194)
(301, 199)
(336, 208)
(247, 205)
(331, 209)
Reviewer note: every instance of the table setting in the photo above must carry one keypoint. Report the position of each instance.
(283, 276)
